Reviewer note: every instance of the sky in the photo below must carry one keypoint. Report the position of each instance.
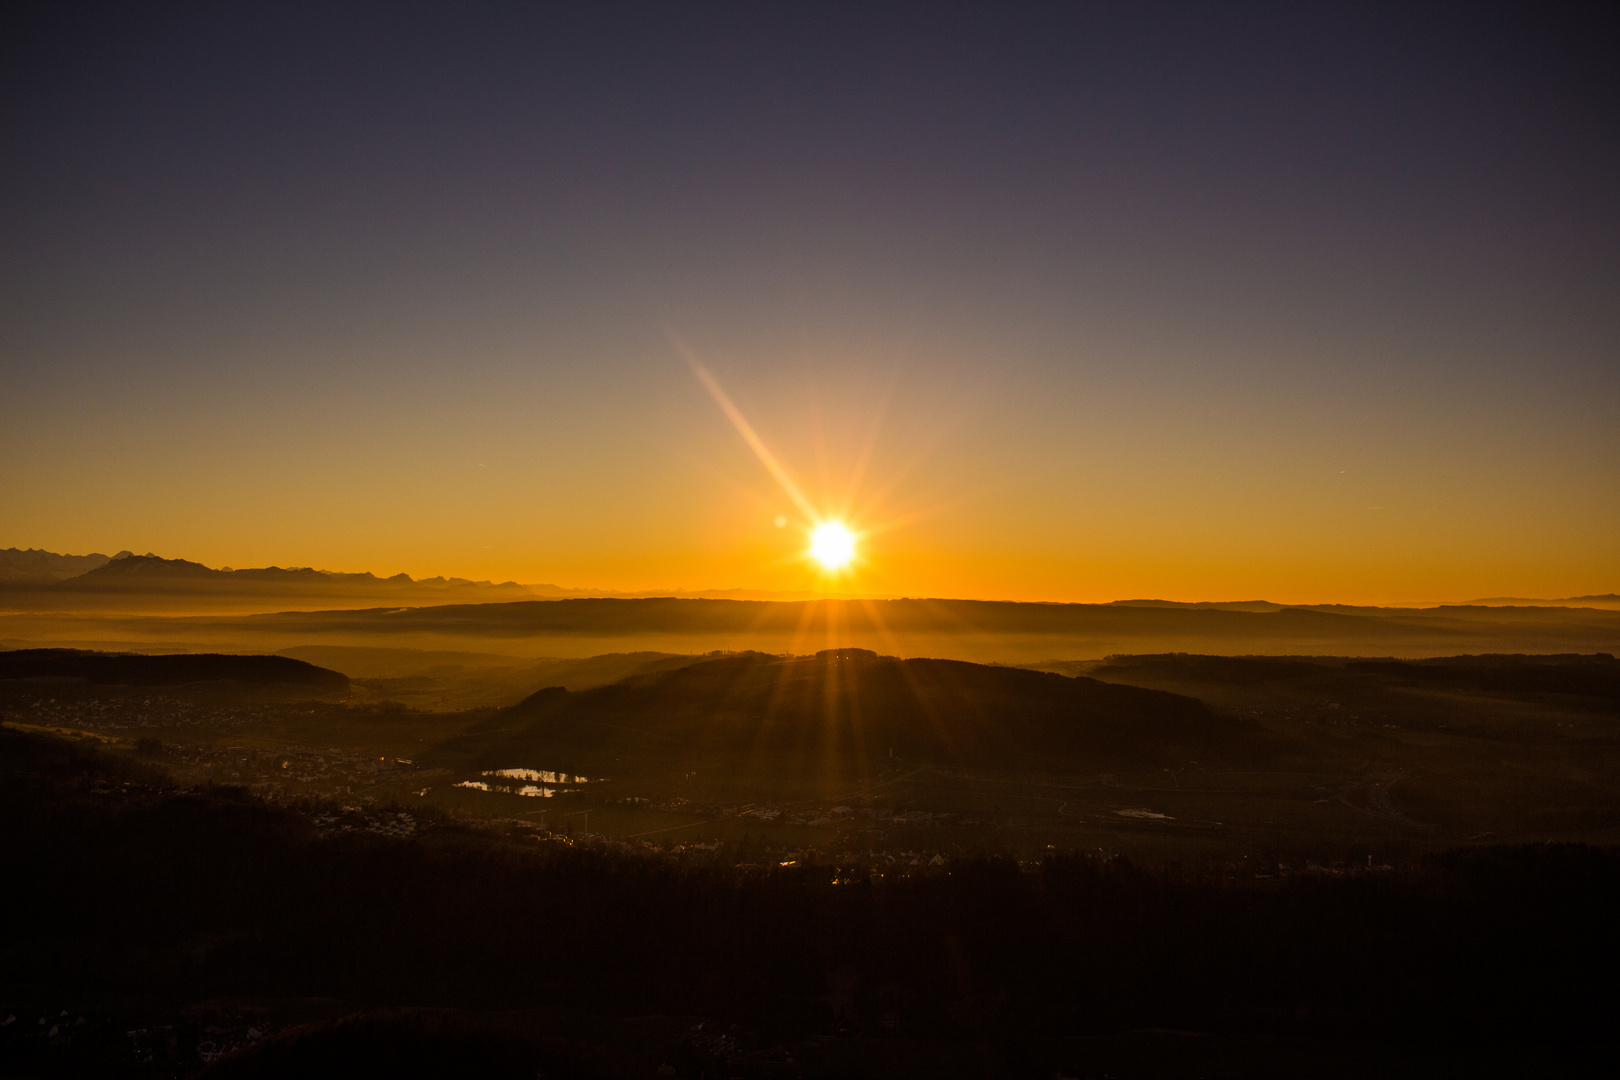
(1079, 302)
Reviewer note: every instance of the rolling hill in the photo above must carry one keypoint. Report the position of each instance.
(130, 669)
(847, 714)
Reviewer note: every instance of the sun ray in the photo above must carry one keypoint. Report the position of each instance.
(863, 459)
(842, 516)
(777, 470)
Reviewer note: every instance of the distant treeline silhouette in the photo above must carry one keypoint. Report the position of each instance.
(1594, 675)
(132, 669)
(1588, 676)
(118, 887)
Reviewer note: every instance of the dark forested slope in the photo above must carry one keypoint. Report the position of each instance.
(845, 709)
(129, 898)
(132, 669)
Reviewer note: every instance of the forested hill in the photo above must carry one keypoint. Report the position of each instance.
(130, 669)
(850, 708)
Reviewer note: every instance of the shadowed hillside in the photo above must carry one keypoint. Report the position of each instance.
(1588, 683)
(158, 926)
(465, 680)
(127, 669)
(844, 713)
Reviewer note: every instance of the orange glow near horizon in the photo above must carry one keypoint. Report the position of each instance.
(950, 495)
(969, 491)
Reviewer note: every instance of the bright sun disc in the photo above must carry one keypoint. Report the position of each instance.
(832, 545)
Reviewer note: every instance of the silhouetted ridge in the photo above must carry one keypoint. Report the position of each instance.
(34, 567)
(1595, 675)
(1587, 676)
(849, 707)
(129, 669)
(154, 568)
(143, 567)
(149, 575)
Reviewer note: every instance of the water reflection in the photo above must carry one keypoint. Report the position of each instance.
(545, 783)
(543, 776)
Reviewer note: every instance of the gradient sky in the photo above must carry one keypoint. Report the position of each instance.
(1067, 302)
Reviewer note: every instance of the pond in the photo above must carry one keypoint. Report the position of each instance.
(542, 776)
(545, 783)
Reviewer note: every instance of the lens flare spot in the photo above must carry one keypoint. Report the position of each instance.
(832, 545)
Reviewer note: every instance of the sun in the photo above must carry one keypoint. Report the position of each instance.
(832, 545)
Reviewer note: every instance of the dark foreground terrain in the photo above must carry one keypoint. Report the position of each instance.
(156, 929)
(744, 865)
(1240, 767)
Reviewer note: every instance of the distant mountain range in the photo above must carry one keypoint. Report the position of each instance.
(1601, 600)
(54, 581)
(30, 567)
(149, 574)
